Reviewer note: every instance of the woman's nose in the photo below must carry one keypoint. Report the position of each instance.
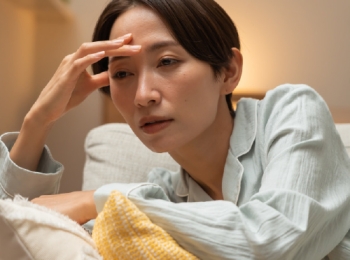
(146, 93)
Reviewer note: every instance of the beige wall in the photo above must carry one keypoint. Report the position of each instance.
(282, 41)
(17, 29)
(296, 42)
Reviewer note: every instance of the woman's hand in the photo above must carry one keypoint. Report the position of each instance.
(69, 86)
(79, 205)
(71, 83)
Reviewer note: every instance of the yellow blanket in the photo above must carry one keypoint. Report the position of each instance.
(122, 231)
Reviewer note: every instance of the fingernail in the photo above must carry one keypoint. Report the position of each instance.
(135, 47)
(99, 54)
(117, 41)
(126, 36)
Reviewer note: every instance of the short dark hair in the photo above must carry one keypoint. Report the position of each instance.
(202, 27)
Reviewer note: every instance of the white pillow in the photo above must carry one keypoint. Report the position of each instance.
(30, 231)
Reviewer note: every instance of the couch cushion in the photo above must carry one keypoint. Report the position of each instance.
(115, 154)
(30, 231)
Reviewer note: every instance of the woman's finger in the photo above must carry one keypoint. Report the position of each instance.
(94, 47)
(81, 64)
(125, 50)
(99, 80)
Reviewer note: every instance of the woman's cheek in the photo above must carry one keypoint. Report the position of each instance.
(122, 100)
(115, 96)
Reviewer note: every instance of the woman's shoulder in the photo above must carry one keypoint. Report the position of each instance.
(291, 92)
(294, 101)
(295, 109)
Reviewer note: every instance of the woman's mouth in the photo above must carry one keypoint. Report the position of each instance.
(152, 126)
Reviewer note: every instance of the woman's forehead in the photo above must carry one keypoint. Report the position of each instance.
(143, 23)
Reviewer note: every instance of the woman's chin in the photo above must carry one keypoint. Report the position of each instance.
(157, 148)
(161, 145)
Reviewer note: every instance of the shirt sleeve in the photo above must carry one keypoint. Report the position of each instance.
(16, 180)
(302, 208)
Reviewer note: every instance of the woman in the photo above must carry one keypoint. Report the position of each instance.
(270, 182)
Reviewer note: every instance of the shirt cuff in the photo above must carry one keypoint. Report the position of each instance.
(129, 190)
(17, 180)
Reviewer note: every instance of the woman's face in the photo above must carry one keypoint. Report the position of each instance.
(169, 98)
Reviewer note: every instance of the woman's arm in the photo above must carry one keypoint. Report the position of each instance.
(27, 149)
(301, 210)
(26, 167)
(79, 205)
(69, 86)
(17, 180)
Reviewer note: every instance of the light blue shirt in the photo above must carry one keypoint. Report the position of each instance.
(286, 186)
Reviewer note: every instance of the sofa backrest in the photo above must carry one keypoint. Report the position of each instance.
(115, 154)
(344, 132)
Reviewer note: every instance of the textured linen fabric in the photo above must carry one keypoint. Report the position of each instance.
(30, 231)
(16, 180)
(115, 154)
(285, 187)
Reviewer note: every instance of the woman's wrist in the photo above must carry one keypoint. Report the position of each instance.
(27, 149)
(36, 120)
(90, 208)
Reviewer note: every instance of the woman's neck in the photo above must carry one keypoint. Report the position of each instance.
(205, 157)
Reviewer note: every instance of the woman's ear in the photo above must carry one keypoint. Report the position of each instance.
(232, 74)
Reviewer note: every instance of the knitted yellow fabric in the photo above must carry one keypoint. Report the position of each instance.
(122, 231)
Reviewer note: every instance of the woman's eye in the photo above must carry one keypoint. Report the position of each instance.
(167, 62)
(121, 74)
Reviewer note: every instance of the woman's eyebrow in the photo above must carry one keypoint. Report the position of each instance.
(152, 48)
(159, 45)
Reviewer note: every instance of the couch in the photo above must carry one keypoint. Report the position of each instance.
(113, 154)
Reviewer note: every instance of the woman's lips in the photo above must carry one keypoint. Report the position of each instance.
(155, 126)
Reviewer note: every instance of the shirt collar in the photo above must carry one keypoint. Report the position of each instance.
(245, 127)
(188, 187)
(241, 141)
